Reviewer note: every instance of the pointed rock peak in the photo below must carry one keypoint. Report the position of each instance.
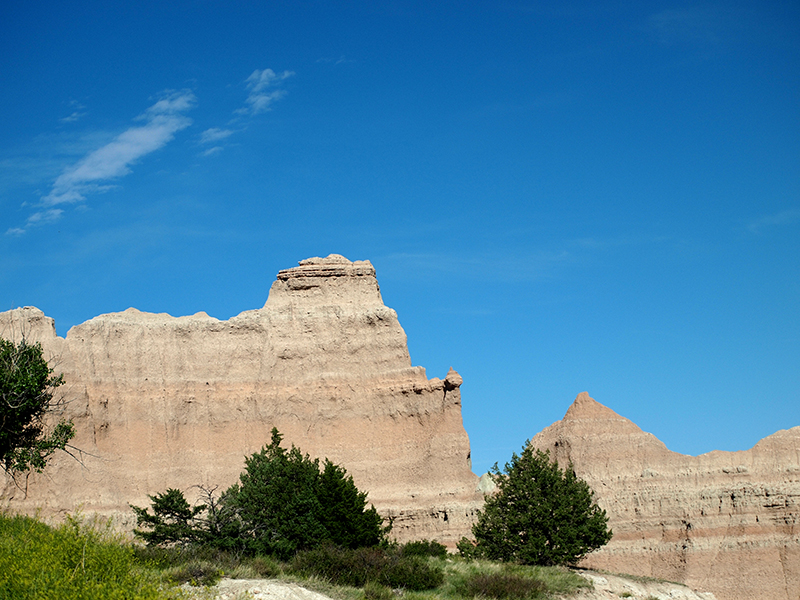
(453, 379)
(586, 407)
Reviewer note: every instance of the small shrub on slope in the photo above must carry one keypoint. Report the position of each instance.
(501, 586)
(424, 548)
(357, 567)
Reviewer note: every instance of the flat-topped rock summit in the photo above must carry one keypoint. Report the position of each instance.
(724, 522)
(161, 401)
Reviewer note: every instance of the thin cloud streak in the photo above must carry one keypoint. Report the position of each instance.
(162, 121)
(76, 114)
(215, 134)
(72, 118)
(263, 90)
(259, 85)
(785, 217)
(38, 218)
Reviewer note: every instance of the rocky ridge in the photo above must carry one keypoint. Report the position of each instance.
(726, 522)
(160, 401)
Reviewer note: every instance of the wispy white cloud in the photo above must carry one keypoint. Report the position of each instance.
(99, 167)
(45, 216)
(73, 117)
(215, 134)
(784, 217)
(263, 90)
(113, 160)
(38, 218)
(335, 61)
(76, 112)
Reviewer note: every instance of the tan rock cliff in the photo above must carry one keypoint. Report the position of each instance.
(725, 522)
(161, 402)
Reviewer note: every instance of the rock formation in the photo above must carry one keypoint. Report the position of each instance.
(725, 522)
(162, 402)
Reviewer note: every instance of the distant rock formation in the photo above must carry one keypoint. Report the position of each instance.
(725, 522)
(162, 402)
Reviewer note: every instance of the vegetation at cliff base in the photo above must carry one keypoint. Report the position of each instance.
(76, 560)
(27, 387)
(539, 515)
(284, 503)
(86, 560)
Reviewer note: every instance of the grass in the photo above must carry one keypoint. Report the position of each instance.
(467, 579)
(77, 560)
(85, 560)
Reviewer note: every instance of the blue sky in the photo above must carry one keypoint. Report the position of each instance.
(557, 197)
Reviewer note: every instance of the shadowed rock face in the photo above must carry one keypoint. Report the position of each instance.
(162, 402)
(726, 522)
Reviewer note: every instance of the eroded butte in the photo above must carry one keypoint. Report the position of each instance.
(160, 401)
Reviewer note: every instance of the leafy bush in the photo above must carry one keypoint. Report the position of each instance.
(357, 567)
(501, 586)
(539, 515)
(424, 548)
(74, 560)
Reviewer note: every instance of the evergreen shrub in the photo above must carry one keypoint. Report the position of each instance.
(539, 514)
(424, 548)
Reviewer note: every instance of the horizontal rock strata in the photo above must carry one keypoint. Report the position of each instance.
(726, 522)
(162, 402)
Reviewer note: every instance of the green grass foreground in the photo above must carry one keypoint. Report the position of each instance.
(77, 560)
(86, 560)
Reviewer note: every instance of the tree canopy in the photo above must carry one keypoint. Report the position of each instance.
(27, 387)
(539, 514)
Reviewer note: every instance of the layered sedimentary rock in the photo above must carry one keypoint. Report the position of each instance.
(726, 522)
(161, 402)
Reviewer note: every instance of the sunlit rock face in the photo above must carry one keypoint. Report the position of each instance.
(726, 522)
(162, 402)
